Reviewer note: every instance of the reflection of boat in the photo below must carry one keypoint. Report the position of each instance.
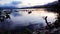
(16, 11)
(29, 12)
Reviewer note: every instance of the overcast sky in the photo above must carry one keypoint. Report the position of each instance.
(24, 3)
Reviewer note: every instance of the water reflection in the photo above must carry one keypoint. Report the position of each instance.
(23, 18)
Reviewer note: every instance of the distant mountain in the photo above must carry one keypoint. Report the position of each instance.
(52, 7)
(49, 5)
(8, 7)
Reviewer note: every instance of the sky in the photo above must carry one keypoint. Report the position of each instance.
(24, 3)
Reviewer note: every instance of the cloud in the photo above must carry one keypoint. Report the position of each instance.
(10, 3)
(2, 2)
(24, 3)
(16, 2)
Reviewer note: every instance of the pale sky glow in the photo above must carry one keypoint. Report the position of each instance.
(36, 2)
(25, 3)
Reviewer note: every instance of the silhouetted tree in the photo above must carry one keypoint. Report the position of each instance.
(4, 15)
(1, 17)
(7, 15)
(57, 22)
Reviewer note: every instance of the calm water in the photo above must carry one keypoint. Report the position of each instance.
(23, 18)
(37, 16)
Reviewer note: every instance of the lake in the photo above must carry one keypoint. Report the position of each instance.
(25, 17)
(36, 16)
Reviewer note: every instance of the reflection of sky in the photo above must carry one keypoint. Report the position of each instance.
(15, 14)
(24, 18)
(24, 3)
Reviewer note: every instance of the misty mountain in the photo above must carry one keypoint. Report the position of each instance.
(49, 5)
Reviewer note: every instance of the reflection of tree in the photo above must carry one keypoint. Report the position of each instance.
(29, 12)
